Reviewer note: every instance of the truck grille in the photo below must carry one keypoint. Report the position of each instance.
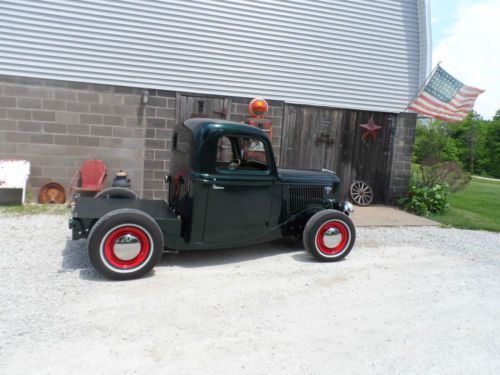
(302, 196)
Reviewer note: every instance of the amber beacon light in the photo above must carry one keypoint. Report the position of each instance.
(258, 107)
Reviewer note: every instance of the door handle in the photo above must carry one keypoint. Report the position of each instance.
(217, 187)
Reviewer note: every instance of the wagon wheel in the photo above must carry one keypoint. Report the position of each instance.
(361, 193)
(52, 193)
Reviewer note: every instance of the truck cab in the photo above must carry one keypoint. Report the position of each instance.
(225, 190)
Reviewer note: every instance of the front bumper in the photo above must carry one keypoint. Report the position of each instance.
(344, 207)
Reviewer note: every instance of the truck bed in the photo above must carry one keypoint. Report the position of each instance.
(92, 208)
(88, 210)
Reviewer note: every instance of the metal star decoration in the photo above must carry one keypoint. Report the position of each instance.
(370, 130)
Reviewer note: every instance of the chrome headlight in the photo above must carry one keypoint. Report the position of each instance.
(347, 208)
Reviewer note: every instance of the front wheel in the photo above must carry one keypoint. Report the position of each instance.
(125, 244)
(329, 235)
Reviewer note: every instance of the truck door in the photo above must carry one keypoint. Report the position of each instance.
(240, 192)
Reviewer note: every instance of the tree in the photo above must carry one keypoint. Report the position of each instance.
(473, 143)
(434, 143)
(490, 148)
(466, 134)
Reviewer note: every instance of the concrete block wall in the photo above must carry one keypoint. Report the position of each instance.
(56, 125)
(160, 121)
(401, 155)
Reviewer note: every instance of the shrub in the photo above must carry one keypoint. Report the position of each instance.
(448, 174)
(435, 142)
(426, 200)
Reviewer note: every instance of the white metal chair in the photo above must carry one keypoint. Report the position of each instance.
(14, 174)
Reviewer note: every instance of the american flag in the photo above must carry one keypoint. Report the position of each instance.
(445, 97)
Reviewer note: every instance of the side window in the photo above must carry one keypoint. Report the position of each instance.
(253, 150)
(241, 154)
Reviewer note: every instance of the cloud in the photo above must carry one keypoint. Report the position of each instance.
(471, 52)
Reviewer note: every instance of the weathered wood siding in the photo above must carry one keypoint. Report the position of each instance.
(317, 137)
(191, 106)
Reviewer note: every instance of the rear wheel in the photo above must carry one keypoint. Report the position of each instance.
(125, 244)
(329, 235)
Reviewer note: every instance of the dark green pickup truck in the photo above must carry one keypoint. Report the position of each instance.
(224, 191)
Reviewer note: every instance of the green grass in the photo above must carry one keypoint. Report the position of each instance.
(35, 209)
(475, 207)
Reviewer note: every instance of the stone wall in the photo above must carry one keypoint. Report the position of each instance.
(401, 155)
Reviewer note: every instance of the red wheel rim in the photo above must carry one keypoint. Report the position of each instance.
(341, 229)
(110, 242)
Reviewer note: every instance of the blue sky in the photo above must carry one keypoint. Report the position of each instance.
(444, 13)
(466, 39)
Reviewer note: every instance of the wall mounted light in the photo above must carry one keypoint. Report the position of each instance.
(145, 96)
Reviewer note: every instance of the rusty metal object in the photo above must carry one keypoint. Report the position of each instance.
(52, 192)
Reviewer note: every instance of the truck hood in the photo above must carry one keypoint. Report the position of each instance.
(307, 177)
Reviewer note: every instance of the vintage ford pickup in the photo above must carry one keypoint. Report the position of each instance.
(224, 191)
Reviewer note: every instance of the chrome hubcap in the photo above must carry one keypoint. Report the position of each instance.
(127, 247)
(332, 237)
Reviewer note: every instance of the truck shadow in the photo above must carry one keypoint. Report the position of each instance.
(205, 258)
(74, 257)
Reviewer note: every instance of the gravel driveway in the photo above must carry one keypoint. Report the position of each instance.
(406, 300)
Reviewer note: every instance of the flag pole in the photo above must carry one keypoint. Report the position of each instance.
(423, 85)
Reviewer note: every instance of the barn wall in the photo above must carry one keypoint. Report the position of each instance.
(401, 155)
(322, 137)
(357, 54)
(161, 118)
(425, 39)
(56, 125)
